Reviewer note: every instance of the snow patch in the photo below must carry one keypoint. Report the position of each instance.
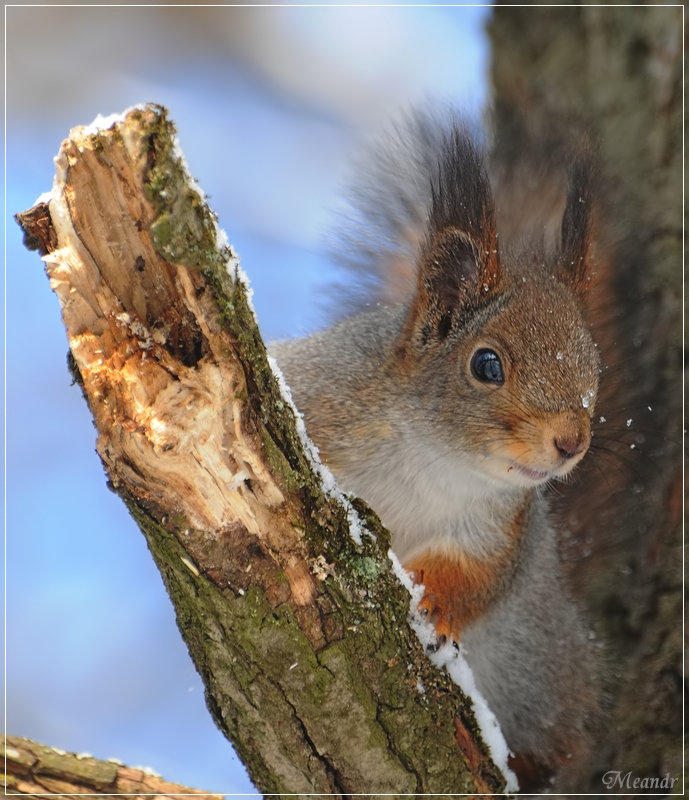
(45, 197)
(222, 243)
(149, 771)
(356, 525)
(461, 674)
(238, 274)
(178, 154)
(453, 659)
(415, 590)
(104, 123)
(587, 398)
(101, 123)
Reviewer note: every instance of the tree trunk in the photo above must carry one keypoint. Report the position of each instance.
(615, 75)
(283, 589)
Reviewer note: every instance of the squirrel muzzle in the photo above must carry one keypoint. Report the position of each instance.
(546, 448)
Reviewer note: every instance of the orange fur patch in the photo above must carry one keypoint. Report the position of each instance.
(459, 587)
(535, 442)
(532, 776)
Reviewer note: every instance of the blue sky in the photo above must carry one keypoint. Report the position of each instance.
(269, 104)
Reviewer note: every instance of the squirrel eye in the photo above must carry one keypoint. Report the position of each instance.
(487, 367)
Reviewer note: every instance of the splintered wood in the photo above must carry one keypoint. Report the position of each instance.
(145, 343)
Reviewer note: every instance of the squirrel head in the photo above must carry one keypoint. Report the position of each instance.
(504, 334)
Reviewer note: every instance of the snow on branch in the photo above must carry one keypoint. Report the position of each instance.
(35, 769)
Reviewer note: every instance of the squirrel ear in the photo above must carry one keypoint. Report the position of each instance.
(575, 267)
(458, 266)
(456, 272)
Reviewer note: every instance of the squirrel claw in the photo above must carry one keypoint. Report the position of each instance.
(433, 647)
(439, 617)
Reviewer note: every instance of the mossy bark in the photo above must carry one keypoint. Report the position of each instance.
(300, 634)
(614, 75)
(35, 770)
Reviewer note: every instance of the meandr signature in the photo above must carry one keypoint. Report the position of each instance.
(616, 779)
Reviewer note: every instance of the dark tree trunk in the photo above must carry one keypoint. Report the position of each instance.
(614, 75)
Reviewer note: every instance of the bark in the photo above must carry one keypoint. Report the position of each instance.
(615, 76)
(299, 633)
(34, 769)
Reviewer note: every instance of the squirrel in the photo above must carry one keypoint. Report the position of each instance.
(449, 411)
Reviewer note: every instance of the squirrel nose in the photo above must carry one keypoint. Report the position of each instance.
(570, 446)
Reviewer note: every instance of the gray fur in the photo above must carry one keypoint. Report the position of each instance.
(390, 400)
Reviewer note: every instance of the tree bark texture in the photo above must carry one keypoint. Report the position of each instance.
(615, 76)
(300, 634)
(33, 769)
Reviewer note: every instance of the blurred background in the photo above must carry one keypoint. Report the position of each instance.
(269, 104)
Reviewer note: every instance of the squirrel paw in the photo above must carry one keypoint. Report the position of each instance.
(448, 600)
(441, 619)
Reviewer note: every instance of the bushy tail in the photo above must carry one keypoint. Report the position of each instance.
(389, 207)
(386, 217)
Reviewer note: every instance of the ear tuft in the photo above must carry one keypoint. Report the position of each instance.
(459, 267)
(454, 269)
(575, 267)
